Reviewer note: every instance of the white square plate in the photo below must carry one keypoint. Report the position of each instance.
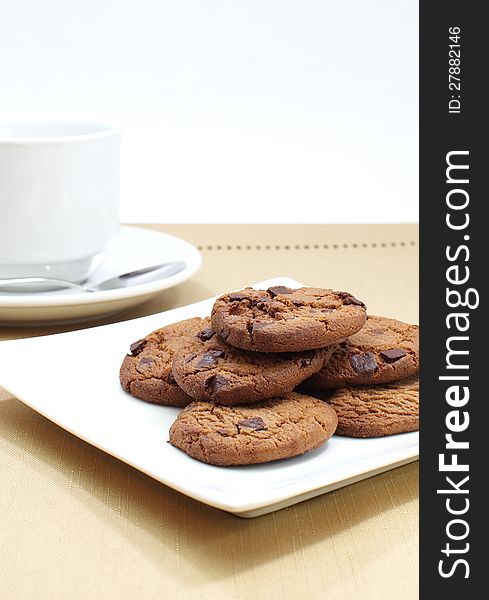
(73, 380)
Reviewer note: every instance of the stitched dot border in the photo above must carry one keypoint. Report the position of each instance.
(271, 247)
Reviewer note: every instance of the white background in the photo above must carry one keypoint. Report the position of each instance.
(231, 111)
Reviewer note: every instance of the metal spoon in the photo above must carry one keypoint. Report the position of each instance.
(144, 275)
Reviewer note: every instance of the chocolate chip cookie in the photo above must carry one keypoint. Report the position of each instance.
(243, 435)
(207, 368)
(384, 350)
(146, 370)
(282, 319)
(379, 410)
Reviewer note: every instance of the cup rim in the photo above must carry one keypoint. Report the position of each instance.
(100, 130)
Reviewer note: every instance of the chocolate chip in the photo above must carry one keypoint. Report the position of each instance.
(256, 423)
(216, 383)
(269, 306)
(146, 361)
(392, 355)
(349, 299)
(237, 296)
(206, 334)
(190, 357)
(355, 301)
(363, 363)
(279, 289)
(170, 378)
(209, 359)
(136, 347)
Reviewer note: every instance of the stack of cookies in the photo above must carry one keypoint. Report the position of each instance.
(274, 373)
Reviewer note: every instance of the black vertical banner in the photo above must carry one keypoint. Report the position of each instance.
(454, 254)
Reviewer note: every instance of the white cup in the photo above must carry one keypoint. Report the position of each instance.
(59, 191)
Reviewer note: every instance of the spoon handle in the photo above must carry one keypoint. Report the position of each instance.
(143, 275)
(50, 280)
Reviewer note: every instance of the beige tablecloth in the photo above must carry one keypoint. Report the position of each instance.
(78, 524)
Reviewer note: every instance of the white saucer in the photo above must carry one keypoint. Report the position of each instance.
(132, 249)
